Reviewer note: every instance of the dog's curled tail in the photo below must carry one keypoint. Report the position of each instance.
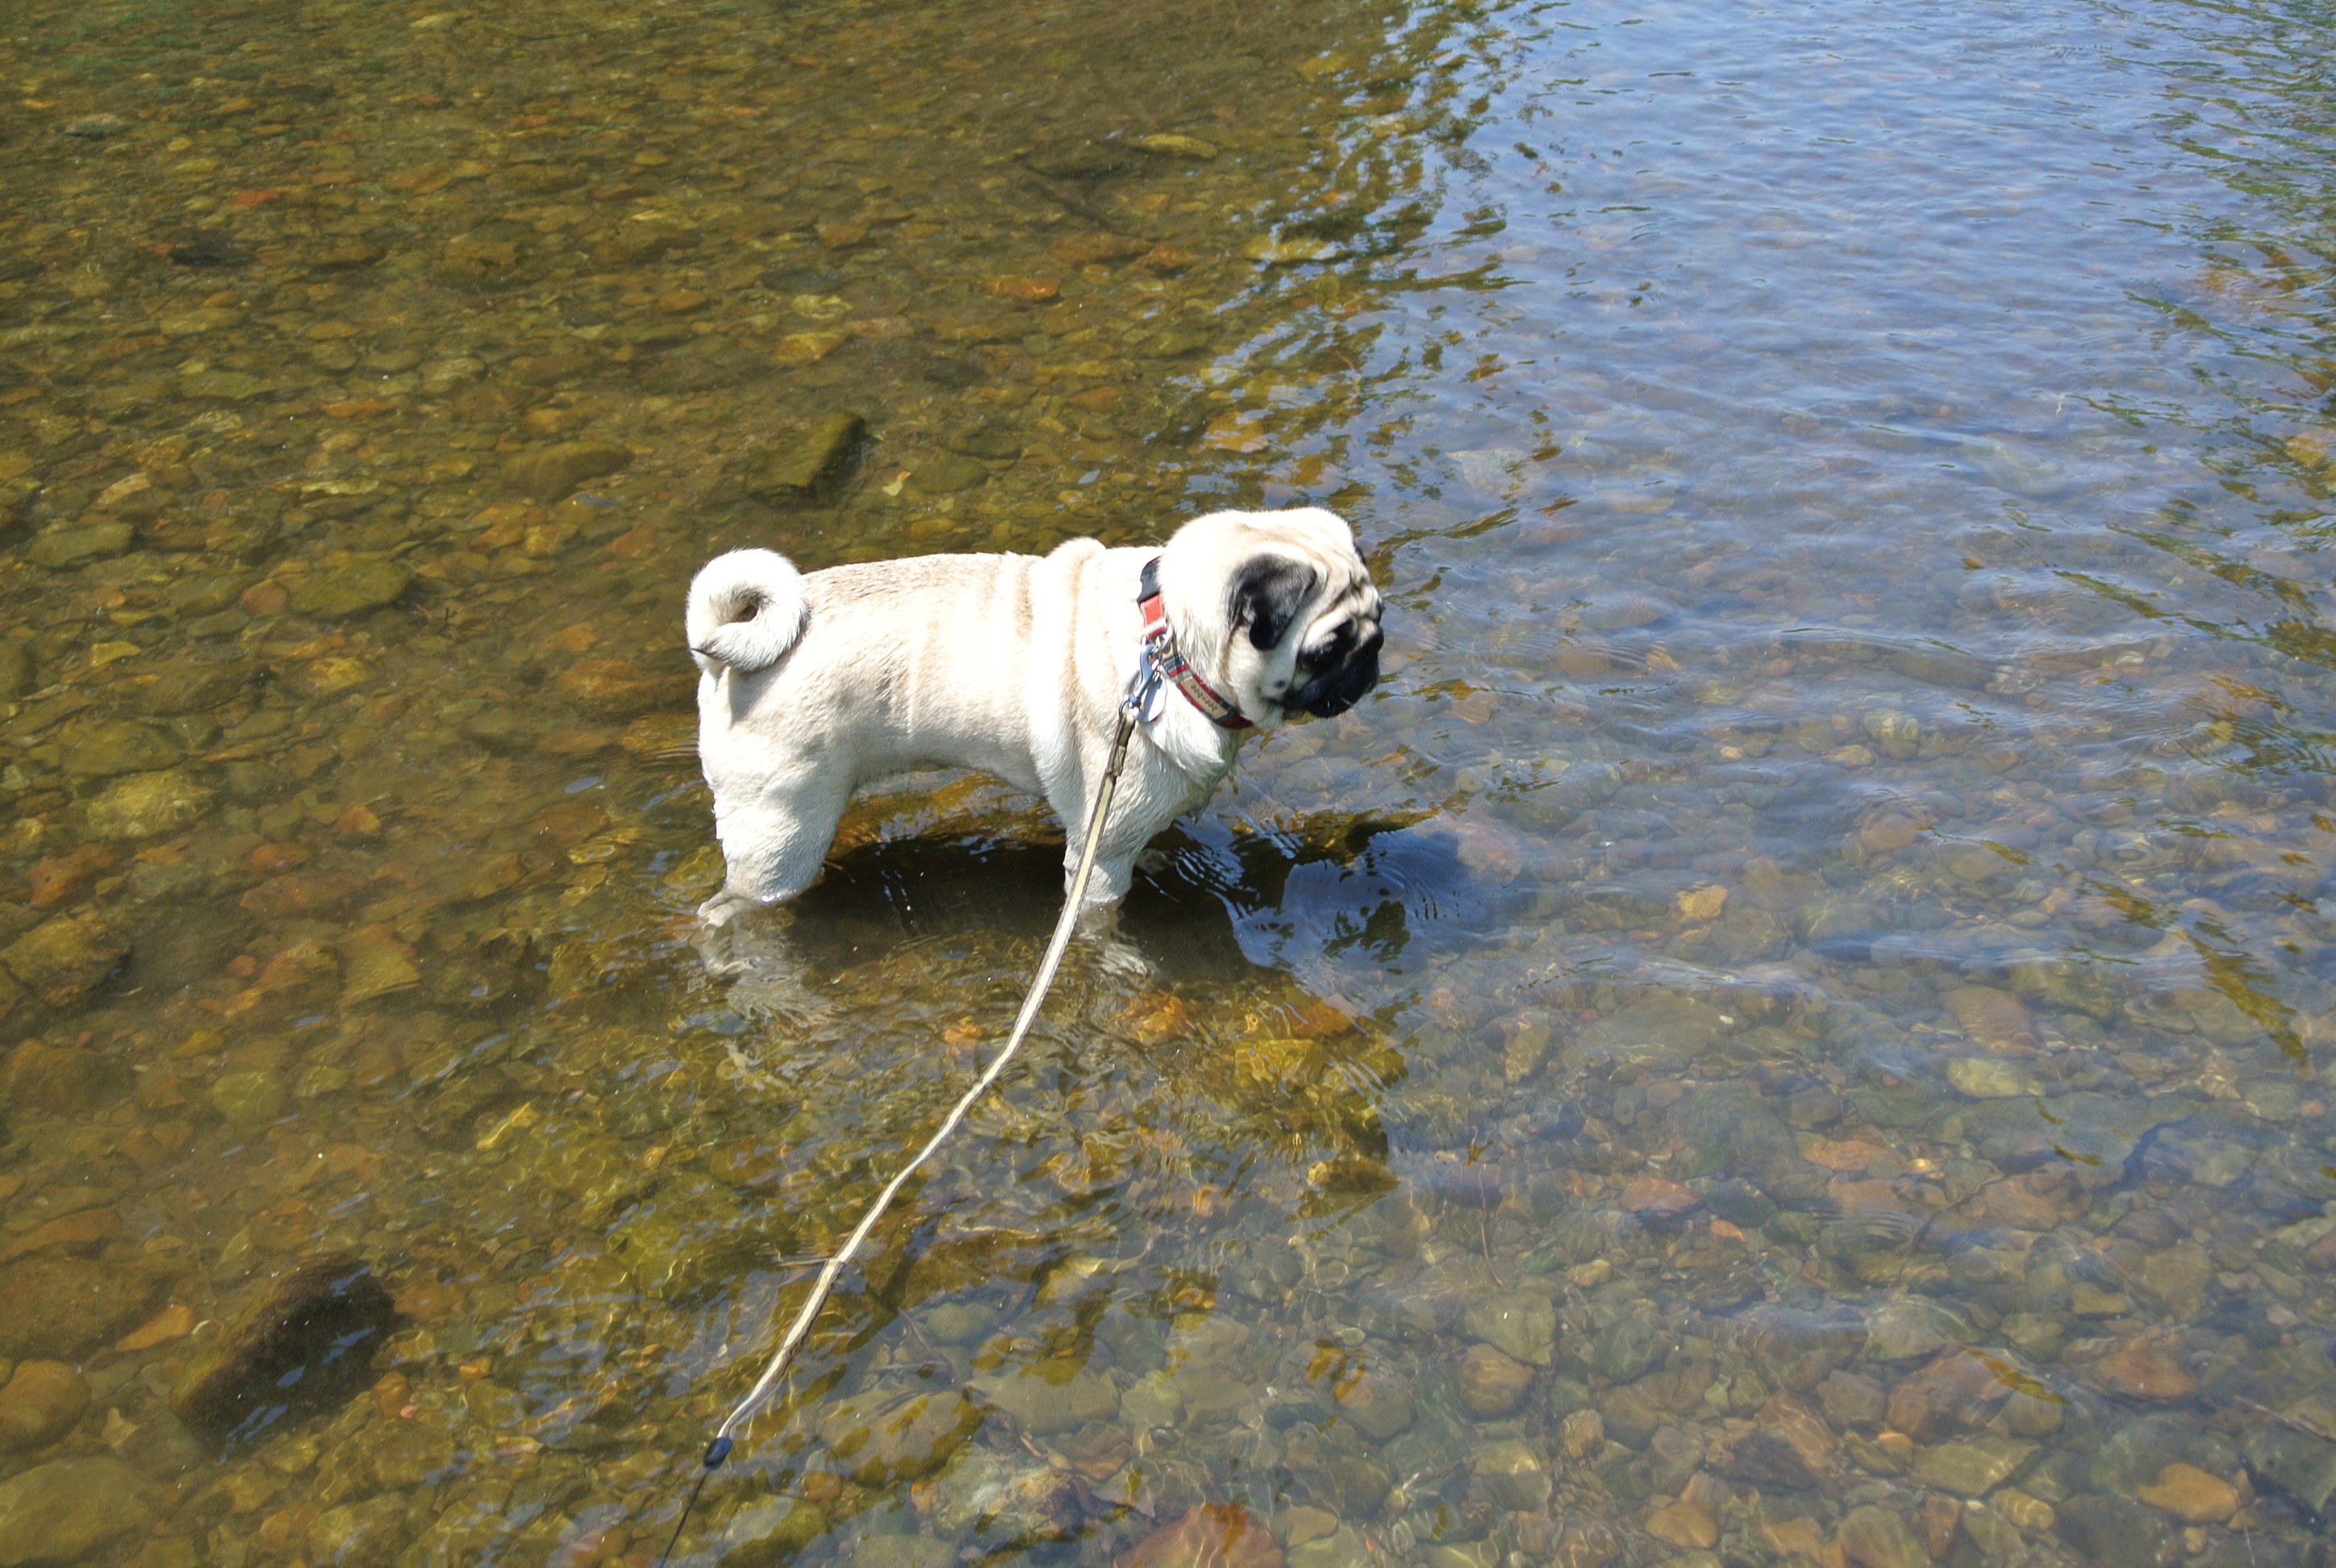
(747, 609)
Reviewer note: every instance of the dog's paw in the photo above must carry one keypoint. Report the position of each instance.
(722, 908)
(1124, 961)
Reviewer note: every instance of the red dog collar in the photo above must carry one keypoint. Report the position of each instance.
(1160, 648)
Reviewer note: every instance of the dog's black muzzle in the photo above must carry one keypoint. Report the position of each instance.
(1341, 685)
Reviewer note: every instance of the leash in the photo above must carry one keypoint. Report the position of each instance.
(1143, 689)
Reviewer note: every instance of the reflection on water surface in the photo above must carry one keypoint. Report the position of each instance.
(1791, 1030)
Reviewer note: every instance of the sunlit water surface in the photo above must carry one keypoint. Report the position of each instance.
(1790, 1029)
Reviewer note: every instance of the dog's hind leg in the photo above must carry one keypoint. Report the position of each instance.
(775, 844)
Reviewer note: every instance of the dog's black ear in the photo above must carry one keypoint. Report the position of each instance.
(1268, 594)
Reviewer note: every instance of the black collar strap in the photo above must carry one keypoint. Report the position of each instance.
(1160, 648)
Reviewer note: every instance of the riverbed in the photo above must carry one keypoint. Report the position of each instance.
(1791, 1028)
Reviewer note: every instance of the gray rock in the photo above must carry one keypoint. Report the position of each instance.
(104, 748)
(1765, 1460)
(1853, 1400)
(1002, 1501)
(1342, 1548)
(2199, 1153)
(2296, 1463)
(689, 1236)
(1975, 1465)
(799, 470)
(1831, 915)
(1663, 1030)
(63, 546)
(2119, 1532)
(1556, 803)
(549, 474)
(959, 1322)
(1380, 1405)
(1043, 1405)
(225, 385)
(1079, 159)
(903, 1551)
(948, 474)
(1912, 1326)
(2092, 1134)
(1624, 1349)
(365, 1535)
(879, 1438)
(1874, 1537)
(63, 1510)
(186, 686)
(1732, 1129)
(1511, 1477)
(993, 439)
(771, 1532)
(351, 589)
(1519, 1323)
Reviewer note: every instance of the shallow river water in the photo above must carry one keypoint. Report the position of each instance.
(1793, 1028)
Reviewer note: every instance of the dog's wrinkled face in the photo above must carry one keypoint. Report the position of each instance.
(1301, 618)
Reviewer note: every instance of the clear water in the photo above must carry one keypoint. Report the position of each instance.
(1790, 1029)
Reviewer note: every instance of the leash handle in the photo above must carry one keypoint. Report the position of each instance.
(1130, 713)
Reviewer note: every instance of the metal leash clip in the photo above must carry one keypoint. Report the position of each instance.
(1146, 687)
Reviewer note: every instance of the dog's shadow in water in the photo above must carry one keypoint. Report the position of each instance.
(1208, 902)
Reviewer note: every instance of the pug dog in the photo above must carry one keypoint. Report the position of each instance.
(812, 686)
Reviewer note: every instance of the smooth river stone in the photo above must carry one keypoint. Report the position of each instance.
(365, 1535)
(65, 956)
(64, 547)
(40, 1403)
(1043, 1406)
(550, 474)
(1491, 1383)
(797, 471)
(2193, 1496)
(63, 1511)
(1520, 1324)
(106, 747)
(53, 1307)
(1987, 1078)
(350, 590)
(881, 1440)
(1873, 1537)
(1510, 1477)
(1212, 1535)
(1975, 1466)
(1380, 1404)
(145, 805)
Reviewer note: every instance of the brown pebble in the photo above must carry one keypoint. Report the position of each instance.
(1689, 1527)
(41, 1404)
(1938, 1517)
(1889, 831)
(2193, 1496)
(2144, 1368)
(1021, 285)
(1491, 1383)
(76, 1234)
(1211, 1535)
